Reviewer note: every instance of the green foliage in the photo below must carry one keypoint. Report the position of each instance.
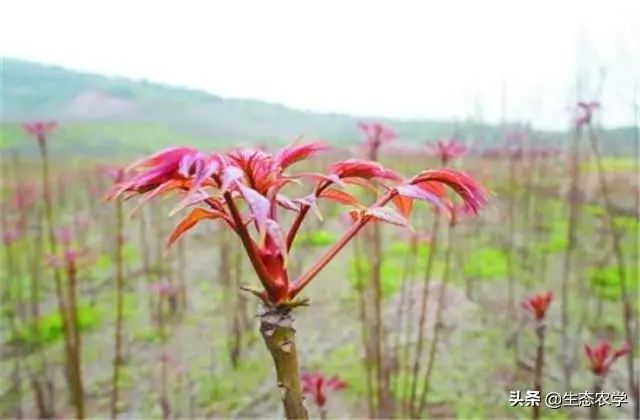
(50, 328)
(594, 210)
(318, 238)
(486, 263)
(468, 408)
(19, 287)
(104, 265)
(101, 266)
(627, 223)
(130, 253)
(390, 274)
(557, 240)
(605, 282)
(359, 273)
(147, 335)
(402, 248)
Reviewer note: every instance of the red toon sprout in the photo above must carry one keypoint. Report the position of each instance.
(537, 305)
(40, 129)
(245, 189)
(69, 258)
(447, 150)
(584, 112)
(602, 356)
(319, 387)
(376, 135)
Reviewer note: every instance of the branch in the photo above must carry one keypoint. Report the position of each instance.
(337, 247)
(249, 245)
(304, 210)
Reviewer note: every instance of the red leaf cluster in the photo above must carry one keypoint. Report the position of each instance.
(376, 135)
(319, 387)
(537, 305)
(244, 189)
(584, 112)
(447, 150)
(602, 355)
(40, 129)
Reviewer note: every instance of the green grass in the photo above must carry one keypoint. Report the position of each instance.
(317, 238)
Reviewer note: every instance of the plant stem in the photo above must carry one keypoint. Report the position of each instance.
(627, 310)
(511, 242)
(42, 384)
(165, 405)
(62, 307)
(146, 262)
(15, 391)
(438, 324)
(323, 413)
(362, 313)
(117, 358)
(276, 327)
(598, 384)
(77, 344)
(568, 256)
(330, 253)
(537, 380)
(228, 293)
(379, 336)
(423, 313)
(402, 312)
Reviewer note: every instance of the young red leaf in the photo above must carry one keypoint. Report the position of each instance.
(295, 153)
(388, 215)
(340, 197)
(277, 236)
(191, 220)
(473, 195)
(332, 178)
(357, 168)
(363, 183)
(173, 155)
(161, 189)
(416, 192)
(191, 199)
(40, 127)
(230, 174)
(310, 200)
(403, 204)
(286, 202)
(259, 206)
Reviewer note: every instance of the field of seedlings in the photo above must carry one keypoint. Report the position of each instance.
(432, 279)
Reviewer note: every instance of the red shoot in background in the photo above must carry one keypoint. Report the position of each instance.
(602, 355)
(447, 150)
(319, 387)
(537, 305)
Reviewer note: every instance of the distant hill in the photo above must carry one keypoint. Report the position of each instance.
(116, 115)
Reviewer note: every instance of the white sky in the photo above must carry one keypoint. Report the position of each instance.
(433, 59)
